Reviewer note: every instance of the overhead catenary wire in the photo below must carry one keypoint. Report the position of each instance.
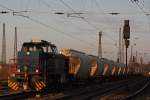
(55, 12)
(143, 11)
(79, 15)
(49, 6)
(97, 4)
(84, 19)
(48, 26)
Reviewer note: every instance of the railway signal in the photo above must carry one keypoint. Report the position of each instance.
(126, 36)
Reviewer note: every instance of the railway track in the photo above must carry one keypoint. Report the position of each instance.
(74, 94)
(129, 97)
(133, 89)
(84, 93)
(88, 93)
(18, 95)
(3, 86)
(101, 91)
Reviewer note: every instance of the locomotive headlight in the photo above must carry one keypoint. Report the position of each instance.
(28, 53)
(18, 70)
(36, 70)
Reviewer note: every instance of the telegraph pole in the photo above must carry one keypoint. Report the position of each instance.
(15, 46)
(3, 46)
(131, 57)
(119, 55)
(100, 46)
(122, 49)
(136, 57)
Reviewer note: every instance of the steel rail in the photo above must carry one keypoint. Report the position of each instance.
(18, 95)
(110, 95)
(136, 92)
(99, 91)
(89, 97)
(91, 93)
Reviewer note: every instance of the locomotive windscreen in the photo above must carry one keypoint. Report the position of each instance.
(43, 46)
(25, 60)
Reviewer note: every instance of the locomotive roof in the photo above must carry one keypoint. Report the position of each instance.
(42, 43)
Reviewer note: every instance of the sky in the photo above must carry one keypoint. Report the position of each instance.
(37, 19)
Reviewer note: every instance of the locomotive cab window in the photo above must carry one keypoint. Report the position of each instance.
(43, 46)
(54, 49)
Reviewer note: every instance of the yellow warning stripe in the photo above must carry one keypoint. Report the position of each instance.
(43, 83)
(40, 84)
(9, 84)
(12, 84)
(9, 81)
(14, 87)
(37, 85)
(17, 88)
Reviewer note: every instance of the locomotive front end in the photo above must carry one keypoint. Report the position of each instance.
(29, 74)
(31, 64)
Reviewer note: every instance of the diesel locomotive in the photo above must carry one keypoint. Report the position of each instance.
(40, 66)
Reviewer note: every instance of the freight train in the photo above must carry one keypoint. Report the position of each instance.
(40, 66)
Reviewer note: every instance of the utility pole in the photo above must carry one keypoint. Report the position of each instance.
(3, 46)
(141, 63)
(122, 54)
(131, 57)
(100, 45)
(119, 53)
(15, 46)
(136, 57)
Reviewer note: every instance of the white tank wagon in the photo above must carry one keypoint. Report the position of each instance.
(95, 66)
(123, 69)
(78, 63)
(115, 69)
(107, 66)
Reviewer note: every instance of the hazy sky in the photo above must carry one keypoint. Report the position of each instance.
(78, 32)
